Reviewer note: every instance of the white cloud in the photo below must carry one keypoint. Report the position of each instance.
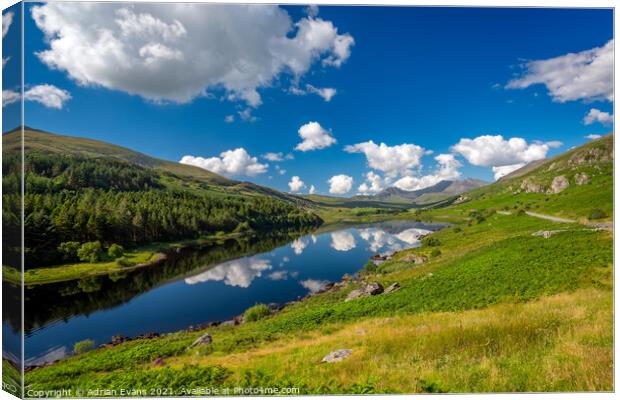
(246, 115)
(140, 48)
(504, 170)
(374, 184)
(238, 273)
(229, 119)
(312, 189)
(343, 241)
(231, 163)
(596, 115)
(312, 10)
(296, 184)
(326, 93)
(493, 151)
(48, 95)
(314, 137)
(340, 184)
(278, 275)
(298, 246)
(7, 20)
(587, 75)
(277, 157)
(10, 97)
(554, 144)
(393, 160)
(411, 236)
(313, 285)
(447, 169)
(593, 136)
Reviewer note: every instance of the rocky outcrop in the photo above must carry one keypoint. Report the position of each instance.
(337, 356)
(415, 258)
(204, 339)
(461, 199)
(530, 187)
(590, 156)
(582, 179)
(370, 289)
(559, 184)
(392, 288)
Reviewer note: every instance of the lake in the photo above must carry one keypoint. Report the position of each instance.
(201, 285)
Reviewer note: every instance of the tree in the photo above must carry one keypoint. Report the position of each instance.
(69, 250)
(116, 251)
(90, 252)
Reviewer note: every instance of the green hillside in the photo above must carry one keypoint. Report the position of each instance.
(507, 300)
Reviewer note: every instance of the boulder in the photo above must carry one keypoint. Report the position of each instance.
(370, 289)
(392, 288)
(582, 179)
(530, 187)
(116, 340)
(559, 184)
(415, 258)
(546, 234)
(204, 339)
(337, 356)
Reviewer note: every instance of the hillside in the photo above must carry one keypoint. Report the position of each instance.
(501, 301)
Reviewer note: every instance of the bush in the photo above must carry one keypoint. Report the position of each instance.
(256, 312)
(116, 251)
(435, 253)
(90, 252)
(124, 262)
(83, 346)
(457, 229)
(431, 241)
(370, 267)
(521, 212)
(597, 213)
(69, 250)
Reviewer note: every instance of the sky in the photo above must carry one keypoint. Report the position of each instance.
(331, 100)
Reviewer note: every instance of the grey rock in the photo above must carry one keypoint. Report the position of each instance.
(392, 288)
(547, 234)
(559, 184)
(337, 356)
(582, 178)
(370, 289)
(530, 187)
(204, 339)
(415, 258)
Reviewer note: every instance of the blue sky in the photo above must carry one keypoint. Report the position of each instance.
(424, 81)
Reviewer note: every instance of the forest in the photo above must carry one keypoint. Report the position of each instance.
(76, 208)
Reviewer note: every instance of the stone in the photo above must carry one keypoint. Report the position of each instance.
(415, 258)
(370, 289)
(582, 179)
(116, 340)
(204, 339)
(530, 187)
(559, 184)
(546, 234)
(392, 288)
(158, 362)
(337, 356)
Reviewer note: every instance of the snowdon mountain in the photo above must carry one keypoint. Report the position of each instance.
(431, 194)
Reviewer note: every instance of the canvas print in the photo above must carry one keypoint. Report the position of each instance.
(229, 199)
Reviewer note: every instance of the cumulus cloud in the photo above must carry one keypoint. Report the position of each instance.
(312, 189)
(140, 48)
(246, 115)
(374, 184)
(277, 157)
(230, 163)
(342, 241)
(340, 184)
(593, 136)
(447, 169)
(504, 170)
(10, 97)
(296, 184)
(326, 93)
(489, 151)
(7, 20)
(587, 75)
(48, 95)
(314, 137)
(393, 160)
(596, 115)
(238, 273)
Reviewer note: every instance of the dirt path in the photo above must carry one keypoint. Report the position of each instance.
(549, 217)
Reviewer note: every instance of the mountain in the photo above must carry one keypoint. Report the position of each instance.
(438, 192)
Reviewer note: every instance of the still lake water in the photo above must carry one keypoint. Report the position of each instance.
(195, 286)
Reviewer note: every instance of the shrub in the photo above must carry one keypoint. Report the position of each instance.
(597, 213)
(124, 262)
(457, 229)
(521, 212)
(83, 346)
(116, 251)
(256, 312)
(69, 250)
(90, 252)
(431, 241)
(435, 253)
(370, 267)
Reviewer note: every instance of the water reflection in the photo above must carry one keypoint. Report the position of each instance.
(313, 285)
(299, 245)
(343, 241)
(239, 273)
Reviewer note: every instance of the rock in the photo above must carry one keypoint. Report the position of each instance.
(150, 335)
(546, 234)
(461, 199)
(204, 339)
(158, 362)
(415, 258)
(559, 184)
(337, 356)
(116, 340)
(392, 288)
(582, 178)
(371, 289)
(530, 187)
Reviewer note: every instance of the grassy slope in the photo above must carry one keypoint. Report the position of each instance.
(498, 310)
